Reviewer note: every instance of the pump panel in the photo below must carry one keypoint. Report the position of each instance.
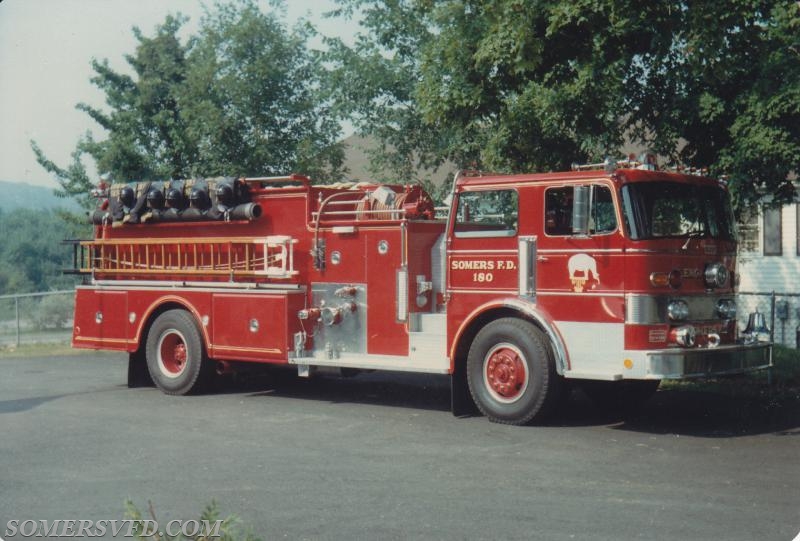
(340, 326)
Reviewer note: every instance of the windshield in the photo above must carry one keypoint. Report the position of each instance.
(676, 209)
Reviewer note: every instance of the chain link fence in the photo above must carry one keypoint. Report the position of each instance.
(36, 318)
(46, 317)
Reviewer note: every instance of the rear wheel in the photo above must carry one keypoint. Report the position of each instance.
(176, 357)
(511, 372)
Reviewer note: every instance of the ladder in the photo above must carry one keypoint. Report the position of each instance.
(269, 257)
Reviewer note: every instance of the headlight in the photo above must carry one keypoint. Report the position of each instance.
(726, 308)
(678, 310)
(716, 275)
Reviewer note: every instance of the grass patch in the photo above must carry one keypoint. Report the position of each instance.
(777, 386)
(39, 350)
(787, 366)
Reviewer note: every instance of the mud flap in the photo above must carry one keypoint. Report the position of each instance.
(138, 375)
(461, 403)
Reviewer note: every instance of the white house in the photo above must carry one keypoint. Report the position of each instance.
(769, 260)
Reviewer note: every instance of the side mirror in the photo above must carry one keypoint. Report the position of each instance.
(580, 210)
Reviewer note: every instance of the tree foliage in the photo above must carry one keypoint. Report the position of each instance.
(729, 86)
(242, 97)
(31, 254)
(252, 100)
(519, 85)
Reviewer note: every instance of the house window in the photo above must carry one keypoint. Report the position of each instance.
(747, 230)
(772, 231)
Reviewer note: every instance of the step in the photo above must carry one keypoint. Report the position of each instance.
(429, 323)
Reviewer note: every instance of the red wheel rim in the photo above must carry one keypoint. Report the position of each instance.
(172, 354)
(505, 373)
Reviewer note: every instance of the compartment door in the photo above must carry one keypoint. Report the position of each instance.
(249, 327)
(101, 319)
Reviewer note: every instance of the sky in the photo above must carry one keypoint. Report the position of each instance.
(46, 49)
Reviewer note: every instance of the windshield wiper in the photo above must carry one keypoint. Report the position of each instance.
(693, 235)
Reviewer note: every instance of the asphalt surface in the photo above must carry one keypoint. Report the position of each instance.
(380, 457)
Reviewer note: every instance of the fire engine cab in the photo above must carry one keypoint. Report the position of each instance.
(615, 278)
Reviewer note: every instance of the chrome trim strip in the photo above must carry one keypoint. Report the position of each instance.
(704, 362)
(481, 252)
(401, 294)
(241, 349)
(396, 363)
(205, 287)
(527, 267)
(498, 291)
(643, 309)
(525, 306)
(101, 340)
(550, 293)
(678, 251)
(500, 233)
(584, 251)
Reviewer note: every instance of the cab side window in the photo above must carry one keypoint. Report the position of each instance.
(558, 211)
(489, 213)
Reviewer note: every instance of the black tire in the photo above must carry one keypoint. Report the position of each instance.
(176, 355)
(511, 372)
(620, 397)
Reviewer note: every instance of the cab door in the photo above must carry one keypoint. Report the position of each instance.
(580, 275)
(577, 263)
(483, 256)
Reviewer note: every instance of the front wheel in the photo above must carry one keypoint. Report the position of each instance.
(176, 357)
(511, 372)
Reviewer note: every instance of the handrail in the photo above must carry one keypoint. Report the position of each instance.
(304, 180)
(182, 240)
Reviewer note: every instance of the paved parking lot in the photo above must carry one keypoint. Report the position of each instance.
(380, 457)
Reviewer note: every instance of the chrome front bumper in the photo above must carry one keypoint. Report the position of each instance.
(708, 362)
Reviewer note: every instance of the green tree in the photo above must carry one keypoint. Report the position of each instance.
(31, 254)
(507, 85)
(373, 84)
(517, 85)
(240, 98)
(252, 101)
(729, 87)
(146, 134)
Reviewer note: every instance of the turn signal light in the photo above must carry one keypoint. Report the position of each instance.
(672, 279)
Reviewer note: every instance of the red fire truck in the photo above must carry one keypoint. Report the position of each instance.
(615, 278)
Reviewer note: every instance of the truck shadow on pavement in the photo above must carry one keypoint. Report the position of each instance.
(24, 404)
(682, 412)
(413, 391)
(692, 413)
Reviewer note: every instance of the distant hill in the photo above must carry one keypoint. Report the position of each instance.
(356, 160)
(14, 195)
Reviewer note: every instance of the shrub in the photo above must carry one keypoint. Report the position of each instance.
(52, 312)
(229, 530)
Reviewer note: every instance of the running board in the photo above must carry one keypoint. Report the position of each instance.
(399, 363)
